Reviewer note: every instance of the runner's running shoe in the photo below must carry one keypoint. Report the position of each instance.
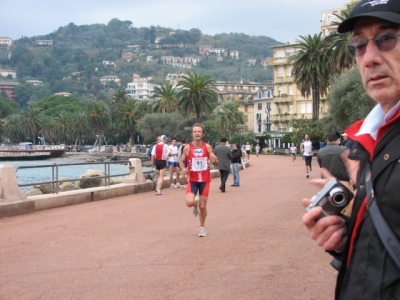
(202, 232)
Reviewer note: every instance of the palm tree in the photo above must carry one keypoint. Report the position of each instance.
(62, 125)
(165, 95)
(2, 124)
(339, 57)
(126, 118)
(13, 130)
(80, 128)
(98, 117)
(120, 96)
(310, 69)
(143, 108)
(48, 128)
(228, 117)
(196, 95)
(31, 122)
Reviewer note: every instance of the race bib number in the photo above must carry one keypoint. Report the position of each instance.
(199, 164)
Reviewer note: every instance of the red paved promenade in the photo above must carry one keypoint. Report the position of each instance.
(145, 246)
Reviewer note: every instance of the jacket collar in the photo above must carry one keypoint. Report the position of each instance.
(368, 131)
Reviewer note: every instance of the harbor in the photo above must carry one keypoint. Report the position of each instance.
(27, 151)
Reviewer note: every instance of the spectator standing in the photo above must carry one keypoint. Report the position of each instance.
(235, 161)
(348, 143)
(173, 164)
(330, 157)
(224, 156)
(370, 266)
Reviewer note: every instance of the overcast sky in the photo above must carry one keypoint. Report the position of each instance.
(283, 20)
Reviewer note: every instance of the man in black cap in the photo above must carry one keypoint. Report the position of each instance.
(369, 251)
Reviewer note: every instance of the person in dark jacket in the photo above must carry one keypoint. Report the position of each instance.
(224, 155)
(368, 270)
(235, 161)
(330, 157)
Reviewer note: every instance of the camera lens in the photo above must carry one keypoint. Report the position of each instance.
(338, 197)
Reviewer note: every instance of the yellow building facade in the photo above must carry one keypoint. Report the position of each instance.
(288, 103)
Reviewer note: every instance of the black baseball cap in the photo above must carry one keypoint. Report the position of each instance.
(388, 10)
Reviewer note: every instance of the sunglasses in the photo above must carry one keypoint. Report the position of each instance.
(385, 41)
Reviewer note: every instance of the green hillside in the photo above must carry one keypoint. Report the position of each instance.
(84, 48)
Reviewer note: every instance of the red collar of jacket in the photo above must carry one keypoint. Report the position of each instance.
(365, 139)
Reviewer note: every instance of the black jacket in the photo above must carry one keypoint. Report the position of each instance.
(236, 156)
(371, 273)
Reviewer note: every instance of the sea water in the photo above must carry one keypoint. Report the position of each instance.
(33, 175)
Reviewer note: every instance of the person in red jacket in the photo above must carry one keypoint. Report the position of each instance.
(197, 153)
(367, 269)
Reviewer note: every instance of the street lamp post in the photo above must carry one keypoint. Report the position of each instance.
(240, 127)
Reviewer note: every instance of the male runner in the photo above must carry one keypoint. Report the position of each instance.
(159, 155)
(197, 153)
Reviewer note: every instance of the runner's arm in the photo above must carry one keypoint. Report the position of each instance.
(211, 156)
(183, 158)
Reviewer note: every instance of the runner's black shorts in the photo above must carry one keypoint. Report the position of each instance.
(160, 164)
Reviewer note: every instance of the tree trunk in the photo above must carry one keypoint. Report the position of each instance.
(315, 98)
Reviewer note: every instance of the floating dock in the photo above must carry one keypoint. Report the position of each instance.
(31, 152)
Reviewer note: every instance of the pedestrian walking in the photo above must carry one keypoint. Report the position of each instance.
(293, 152)
(257, 150)
(247, 147)
(224, 156)
(307, 153)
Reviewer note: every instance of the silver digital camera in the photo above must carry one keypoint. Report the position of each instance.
(333, 198)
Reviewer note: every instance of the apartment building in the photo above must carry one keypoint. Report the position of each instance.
(44, 42)
(262, 110)
(7, 73)
(203, 49)
(8, 88)
(6, 41)
(141, 88)
(174, 78)
(127, 55)
(234, 54)
(243, 94)
(288, 103)
(109, 78)
(328, 17)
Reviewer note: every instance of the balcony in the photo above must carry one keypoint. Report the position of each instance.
(284, 79)
(282, 118)
(267, 121)
(278, 61)
(283, 98)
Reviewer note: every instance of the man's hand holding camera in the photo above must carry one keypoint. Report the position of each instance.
(327, 231)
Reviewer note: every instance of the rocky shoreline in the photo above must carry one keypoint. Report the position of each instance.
(100, 156)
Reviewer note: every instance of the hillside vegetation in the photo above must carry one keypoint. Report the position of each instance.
(84, 48)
